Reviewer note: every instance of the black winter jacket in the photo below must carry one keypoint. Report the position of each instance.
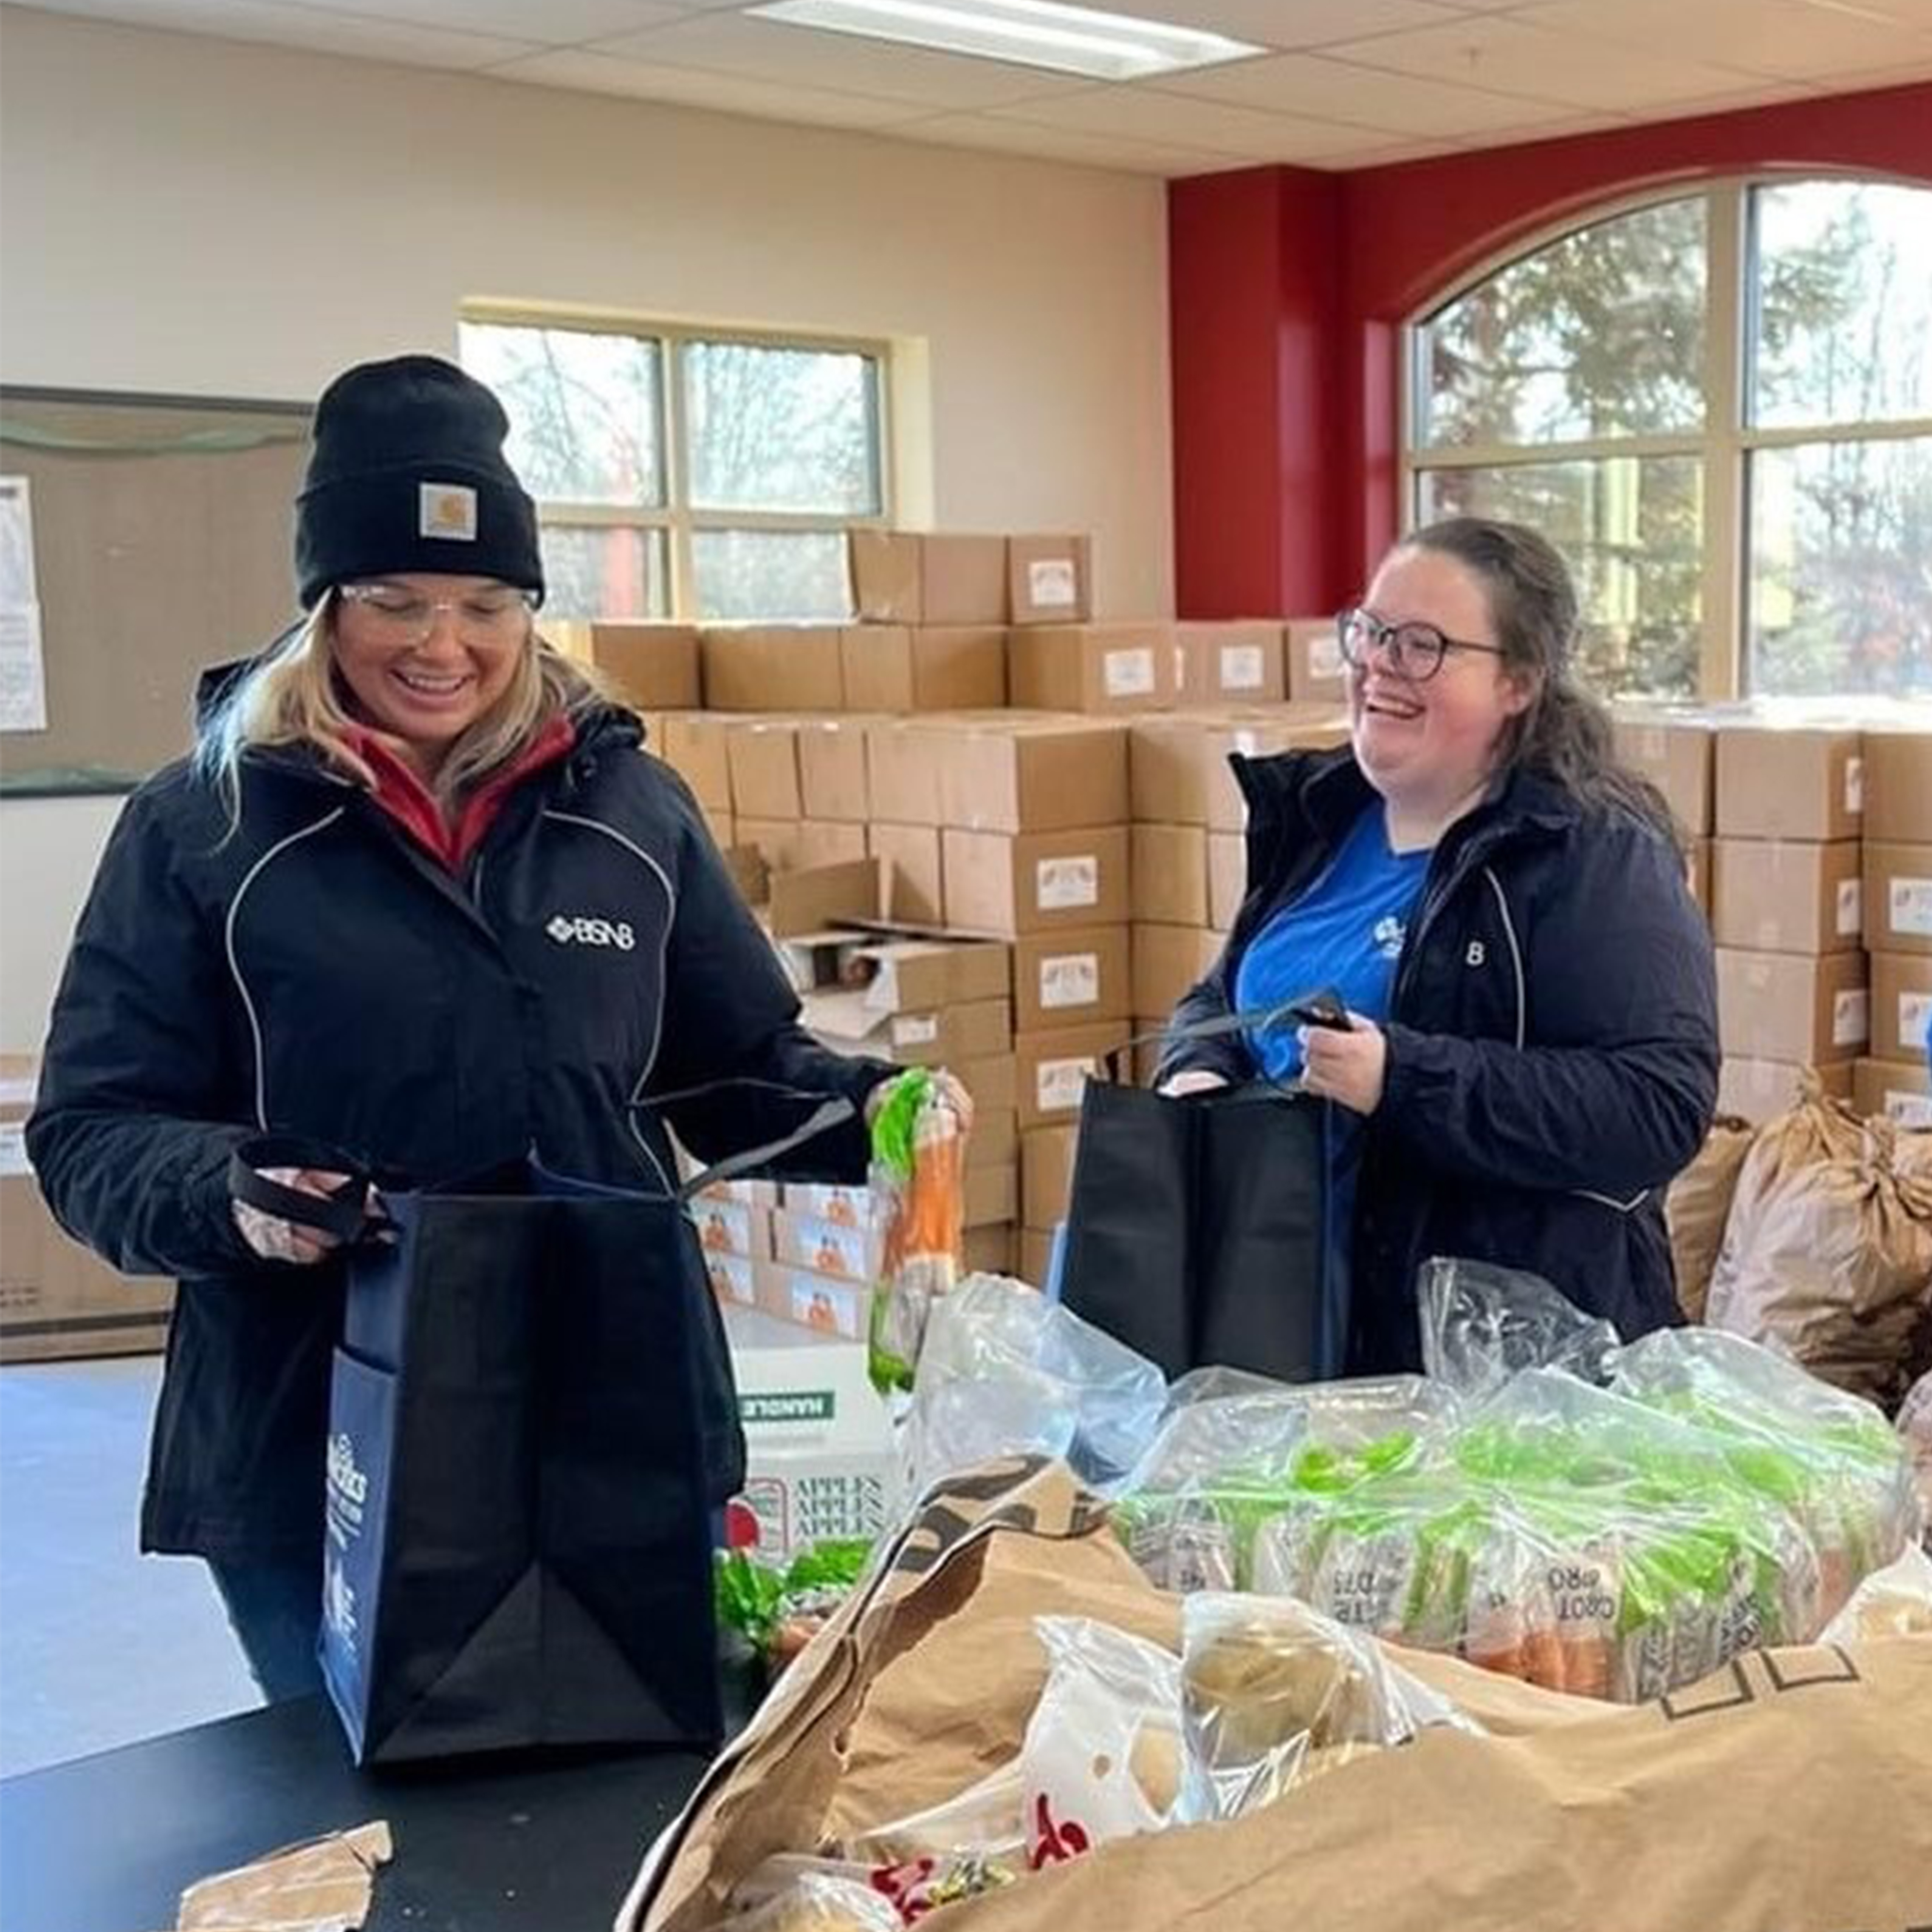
(1553, 1044)
(316, 973)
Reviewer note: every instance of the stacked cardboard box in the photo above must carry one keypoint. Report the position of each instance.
(1672, 746)
(1898, 893)
(1786, 911)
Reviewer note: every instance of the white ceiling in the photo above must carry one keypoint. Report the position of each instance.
(1345, 83)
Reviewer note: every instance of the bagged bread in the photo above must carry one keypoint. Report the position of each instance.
(1698, 1206)
(1915, 1424)
(1828, 1255)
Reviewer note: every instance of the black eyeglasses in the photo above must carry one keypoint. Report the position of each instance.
(1415, 650)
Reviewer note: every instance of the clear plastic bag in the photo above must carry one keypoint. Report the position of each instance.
(1274, 1695)
(1102, 1756)
(1895, 1601)
(1914, 1430)
(1004, 1371)
(986, 1820)
(808, 1895)
(918, 1189)
(1481, 1324)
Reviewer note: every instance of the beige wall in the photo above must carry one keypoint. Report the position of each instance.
(199, 216)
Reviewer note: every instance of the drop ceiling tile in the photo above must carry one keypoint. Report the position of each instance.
(358, 36)
(698, 87)
(1287, 24)
(1177, 120)
(1401, 105)
(1120, 153)
(1486, 50)
(554, 23)
(1782, 38)
(772, 51)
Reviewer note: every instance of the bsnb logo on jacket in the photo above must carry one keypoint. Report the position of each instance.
(581, 929)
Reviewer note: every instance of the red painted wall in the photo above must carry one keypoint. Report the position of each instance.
(1286, 424)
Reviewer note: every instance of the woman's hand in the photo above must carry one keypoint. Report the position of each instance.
(1192, 1080)
(1345, 1066)
(275, 1240)
(951, 1090)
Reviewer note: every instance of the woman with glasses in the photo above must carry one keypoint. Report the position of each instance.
(1531, 1052)
(417, 894)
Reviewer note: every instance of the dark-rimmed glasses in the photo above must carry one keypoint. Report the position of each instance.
(1415, 649)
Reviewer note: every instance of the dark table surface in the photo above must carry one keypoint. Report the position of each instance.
(551, 1842)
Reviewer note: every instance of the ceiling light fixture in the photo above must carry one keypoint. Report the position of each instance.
(1030, 33)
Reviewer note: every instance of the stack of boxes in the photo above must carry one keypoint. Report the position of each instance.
(1897, 895)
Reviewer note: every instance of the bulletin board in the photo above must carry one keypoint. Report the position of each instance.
(161, 528)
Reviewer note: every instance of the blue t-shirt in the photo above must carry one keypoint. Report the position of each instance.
(1345, 931)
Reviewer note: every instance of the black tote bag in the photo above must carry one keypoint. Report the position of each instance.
(530, 1418)
(1198, 1231)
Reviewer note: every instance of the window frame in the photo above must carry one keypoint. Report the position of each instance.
(1727, 441)
(676, 518)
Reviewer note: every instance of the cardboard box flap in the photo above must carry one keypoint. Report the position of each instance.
(819, 898)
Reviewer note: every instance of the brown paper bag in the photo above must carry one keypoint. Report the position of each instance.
(1828, 1255)
(1736, 1806)
(1698, 1205)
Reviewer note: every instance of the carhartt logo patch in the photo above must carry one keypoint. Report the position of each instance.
(446, 510)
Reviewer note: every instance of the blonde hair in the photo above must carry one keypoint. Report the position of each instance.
(293, 695)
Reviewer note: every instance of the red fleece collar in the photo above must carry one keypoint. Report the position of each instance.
(404, 796)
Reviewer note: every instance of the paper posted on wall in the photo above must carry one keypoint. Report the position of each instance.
(23, 685)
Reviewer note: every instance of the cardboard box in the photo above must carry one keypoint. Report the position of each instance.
(1316, 669)
(776, 839)
(832, 780)
(727, 1227)
(1018, 774)
(809, 1300)
(825, 842)
(992, 1195)
(772, 667)
(824, 1201)
(1168, 960)
(1758, 1091)
(902, 761)
(1150, 1043)
(1901, 1005)
(731, 1277)
(762, 754)
(1898, 787)
(1675, 754)
(1168, 864)
(694, 747)
(1698, 866)
(993, 1081)
(656, 666)
(1013, 885)
(1063, 977)
(943, 1036)
(909, 576)
(1046, 1175)
(825, 1247)
(820, 1461)
(1227, 878)
(993, 1250)
(1092, 668)
(913, 976)
(1054, 1067)
(994, 1141)
(1049, 579)
(1773, 783)
(1900, 1090)
(1319, 727)
(1239, 662)
(823, 898)
(927, 667)
(1787, 895)
(1178, 767)
(1787, 1007)
(914, 886)
(1035, 1258)
(1898, 897)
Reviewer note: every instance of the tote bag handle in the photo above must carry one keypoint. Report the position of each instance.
(1323, 1009)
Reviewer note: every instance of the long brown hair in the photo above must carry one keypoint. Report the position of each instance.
(1564, 734)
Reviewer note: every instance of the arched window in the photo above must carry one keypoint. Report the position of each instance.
(1719, 406)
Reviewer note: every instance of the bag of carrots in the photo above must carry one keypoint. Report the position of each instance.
(918, 1207)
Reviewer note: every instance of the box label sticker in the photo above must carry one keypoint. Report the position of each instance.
(731, 1277)
(1128, 673)
(1057, 1085)
(723, 1226)
(850, 1206)
(1909, 1110)
(1851, 907)
(1053, 584)
(1915, 1015)
(1851, 1019)
(1061, 884)
(1324, 657)
(13, 1148)
(1244, 666)
(825, 1306)
(1855, 785)
(916, 1029)
(1072, 979)
(1911, 904)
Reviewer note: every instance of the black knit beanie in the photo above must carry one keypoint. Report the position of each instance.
(408, 474)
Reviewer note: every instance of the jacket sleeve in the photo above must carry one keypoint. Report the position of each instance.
(137, 1113)
(1613, 1090)
(748, 1072)
(1225, 1054)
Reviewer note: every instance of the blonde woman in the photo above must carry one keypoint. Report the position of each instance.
(416, 895)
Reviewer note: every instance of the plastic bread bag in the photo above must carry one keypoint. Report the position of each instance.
(985, 1820)
(1102, 1756)
(1895, 1601)
(1481, 1324)
(1005, 1371)
(1274, 1695)
(1915, 1430)
(1829, 1457)
(808, 1895)
(917, 1180)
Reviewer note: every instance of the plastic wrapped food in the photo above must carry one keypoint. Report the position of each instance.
(1914, 1428)
(1895, 1601)
(1274, 1694)
(1102, 1756)
(1481, 1324)
(985, 1819)
(918, 1196)
(820, 1900)
(1005, 1372)
(778, 1610)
